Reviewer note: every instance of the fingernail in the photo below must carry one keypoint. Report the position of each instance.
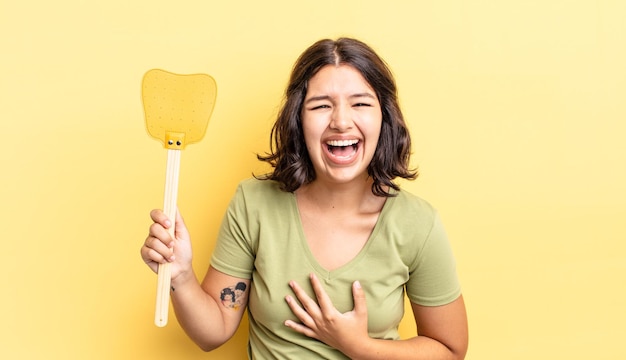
(357, 284)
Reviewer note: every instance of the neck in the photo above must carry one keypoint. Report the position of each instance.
(355, 196)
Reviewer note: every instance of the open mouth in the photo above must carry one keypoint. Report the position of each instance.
(342, 148)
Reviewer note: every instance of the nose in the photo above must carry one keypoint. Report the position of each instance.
(341, 119)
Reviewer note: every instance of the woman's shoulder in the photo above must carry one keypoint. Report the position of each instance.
(254, 185)
(409, 211)
(410, 221)
(257, 190)
(411, 204)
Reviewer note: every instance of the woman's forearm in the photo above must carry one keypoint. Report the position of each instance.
(416, 348)
(199, 314)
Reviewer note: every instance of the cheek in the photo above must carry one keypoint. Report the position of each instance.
(374, 132)
(311, 135)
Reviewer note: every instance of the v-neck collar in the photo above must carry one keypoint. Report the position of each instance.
(319, 269)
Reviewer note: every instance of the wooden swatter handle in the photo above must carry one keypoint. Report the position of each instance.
(169, 208)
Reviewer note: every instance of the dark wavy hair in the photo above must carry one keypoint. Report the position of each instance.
(288, 153)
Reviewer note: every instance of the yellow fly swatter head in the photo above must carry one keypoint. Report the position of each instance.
(177, 107)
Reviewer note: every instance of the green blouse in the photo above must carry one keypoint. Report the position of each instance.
(261, 238)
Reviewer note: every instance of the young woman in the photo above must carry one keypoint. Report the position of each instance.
(326, 245)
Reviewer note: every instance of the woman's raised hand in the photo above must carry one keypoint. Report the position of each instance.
(159, 247)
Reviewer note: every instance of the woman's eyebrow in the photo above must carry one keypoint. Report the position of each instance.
(327, 97)
(317, 98)
(366, 94)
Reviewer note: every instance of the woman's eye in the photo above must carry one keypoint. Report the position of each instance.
(362, 104)
(323, 106)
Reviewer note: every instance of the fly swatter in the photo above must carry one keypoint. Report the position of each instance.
(177, 109)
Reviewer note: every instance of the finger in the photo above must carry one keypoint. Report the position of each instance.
(309, 304)
(181, 228)
(159, 217)
(157, 231)
(148, 255)
(323, 300)
(156, 250)
(299, 312)
(151, 258)
(301, 329)
(360, 305)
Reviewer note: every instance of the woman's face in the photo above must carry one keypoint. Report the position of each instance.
(341, 120)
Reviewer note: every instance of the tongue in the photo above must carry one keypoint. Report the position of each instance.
(342, 151)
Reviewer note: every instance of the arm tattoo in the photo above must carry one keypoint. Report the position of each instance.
(233, 296)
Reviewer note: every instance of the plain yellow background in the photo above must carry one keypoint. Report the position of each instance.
(516, 108)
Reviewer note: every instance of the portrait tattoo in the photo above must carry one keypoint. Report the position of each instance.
(233, 297)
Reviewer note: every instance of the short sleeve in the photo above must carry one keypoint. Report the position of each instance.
(234, 251)
(433, 279)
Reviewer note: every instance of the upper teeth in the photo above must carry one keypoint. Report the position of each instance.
(342, 142)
